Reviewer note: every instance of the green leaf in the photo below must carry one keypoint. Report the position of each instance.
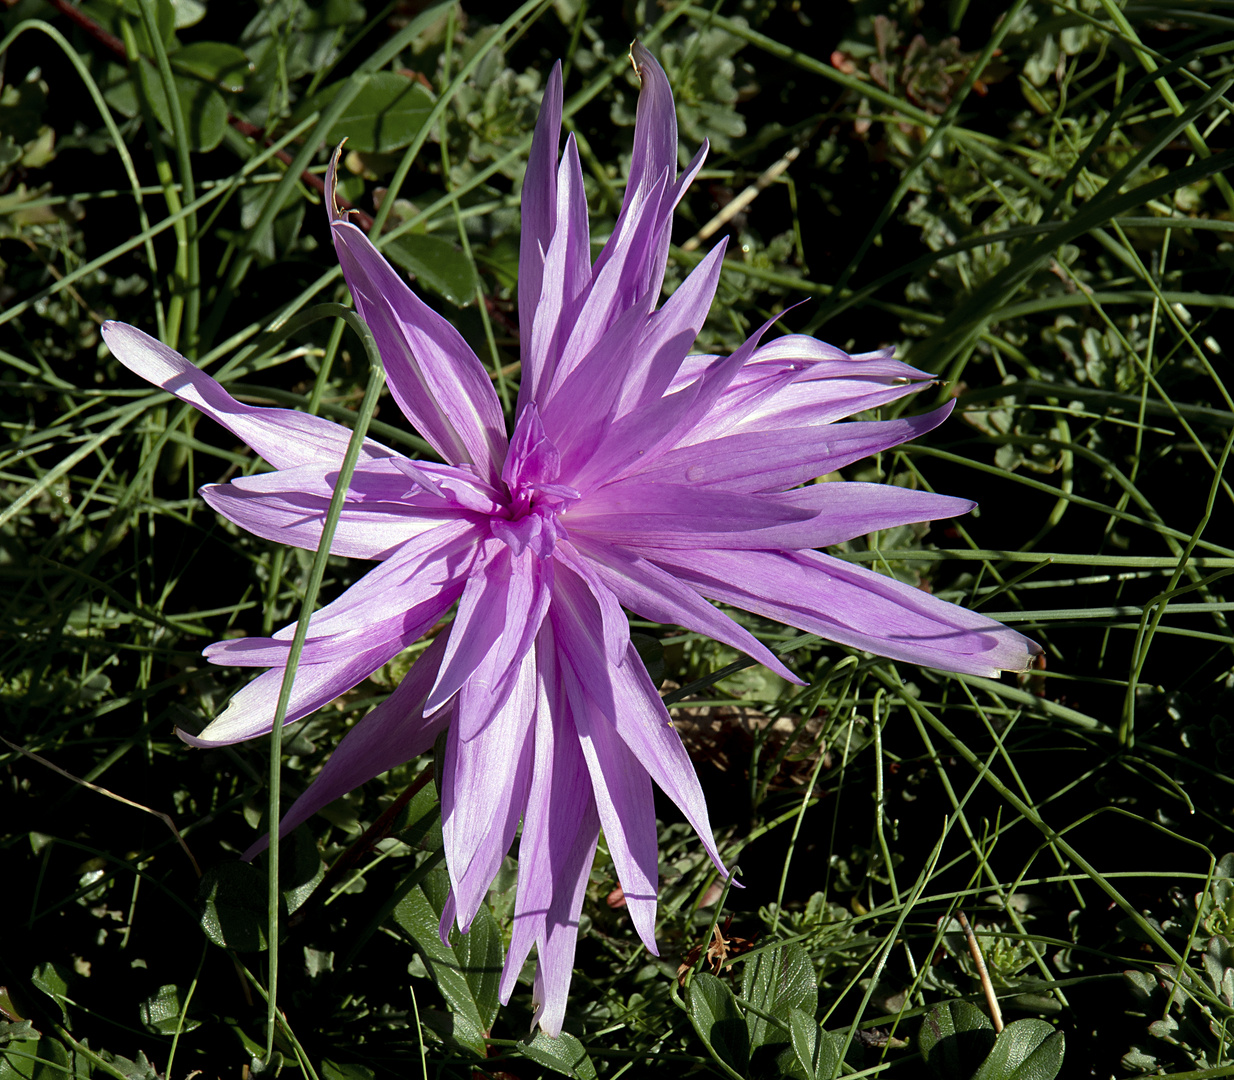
(161, 1012)
(385, 115)
(47, 1059)
(1029, 1049)
(231, 899)
(564, 1054)
(225, 66)
(955, 1039)
(468, 970)
(777, 982)
(437, 264)
(53, 980)
(803, 1030)
(719, 1021)
(332, 1071)
(203, 108)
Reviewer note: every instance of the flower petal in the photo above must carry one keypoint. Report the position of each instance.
(560, 830)
(775, 459)
(283, 437)
(290, 506)
(856, 607)
(500, 610)
(484, 785)
(251, 711)
(437, 380)
(565, 274)
(538, 207)
(637, 514)
(653, 594)
(392, 733)
(625, 697)
(622, 791)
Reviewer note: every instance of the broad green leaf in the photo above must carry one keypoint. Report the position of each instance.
(332, 1071)
(955, 1039)
(203, 108)
(188, 12)
(803, 1030)
(1029, 1049)
(231, 899)
(719, 1021)
(564, 1055)
(437, 265)
(161, 1012)
(385, 115)
(47, 1059)
(53, 980)
(223, 65)
(775, 983)
(468, 970)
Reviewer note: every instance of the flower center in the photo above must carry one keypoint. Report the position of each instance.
(529, 517)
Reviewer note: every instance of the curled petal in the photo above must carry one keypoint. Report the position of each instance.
(283, 437)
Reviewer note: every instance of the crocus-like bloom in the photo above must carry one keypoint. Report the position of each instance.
(636, 477)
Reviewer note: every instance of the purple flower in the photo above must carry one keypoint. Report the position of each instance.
(636, 477)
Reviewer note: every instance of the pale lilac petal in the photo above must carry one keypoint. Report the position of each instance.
(560, 830)
(394, 732)
(633, 364)
(612, 288)
(636, 514)
(435, 563)
(643, 724)
(251, 711)
(775, 459)
(797, 380)
(622, 791)
(565, 276)
(283, 437)
(614, 627)
(854, 606)
(653, 594)
(498, 615)
(538, 210)
(484, 786)
(437, 380)
(283, 506)
(625, 697)
(641, 436)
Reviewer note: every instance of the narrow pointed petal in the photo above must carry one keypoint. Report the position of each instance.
(283, 437)
(636, 514)
(640, 437)
(251, 711)
(626, 805)
(484, 787)
(438, 382)
(290, 507)
(394, 732)
(643, 724)
(857, 607)
(560, 831)
(632, 366)
(538, 210)
(565, 276)
(499, 613)
(797, 380)
(653, 594)
(775, 459)
(625, 697)
(613, 286)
